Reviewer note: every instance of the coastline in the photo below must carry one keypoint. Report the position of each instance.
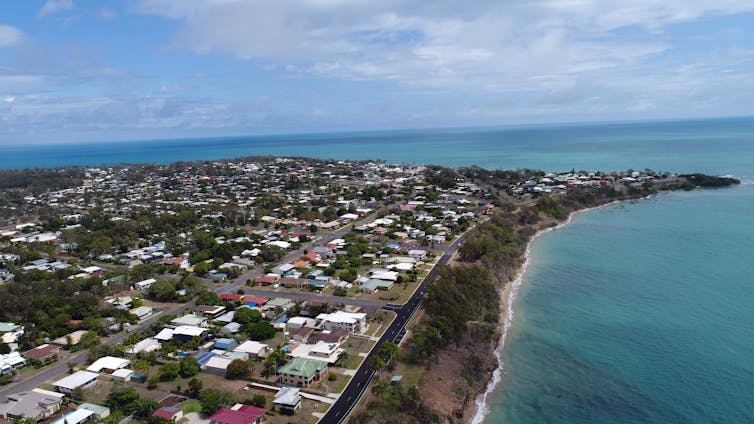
(508, 296)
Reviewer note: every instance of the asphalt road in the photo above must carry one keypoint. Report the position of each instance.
(339, 411)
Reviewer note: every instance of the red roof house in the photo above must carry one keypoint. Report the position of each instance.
(243, 414)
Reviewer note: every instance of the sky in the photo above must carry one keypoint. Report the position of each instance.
(75, 70)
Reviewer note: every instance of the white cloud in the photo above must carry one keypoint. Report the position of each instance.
(54, 6)
(10, 36)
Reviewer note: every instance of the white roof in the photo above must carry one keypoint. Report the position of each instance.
(341, 316)
(287, 396)
(165, 334)
(188, 330)
(75, 417)
(77, 379)
(108, 362)
(250, 346)
(123, 373)
(146, 345)
(218, 362)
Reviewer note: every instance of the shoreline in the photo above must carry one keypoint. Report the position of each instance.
(509, 295)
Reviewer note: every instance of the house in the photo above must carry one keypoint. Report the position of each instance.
(108, 364)
(43, 352)
(287, 401)
(267, 279)
(169, 413)
(10, 361)
(336, 335)
(187, 332)
(374, 284)
(189, 319)
(10, 332)
(147, 345)
(211, 311)
(36, 404)
(321, 351)
(123, 375)
(250, 300)
(143, 285)
(100, 412)
(353, 322)
(300, 372)
(253, 348)
(298, 322)
(142, 312)
(238, 414)
(75, 417)
(231, 328)
(71, 339)
(78, 379)
(216, 365)
(226, 344)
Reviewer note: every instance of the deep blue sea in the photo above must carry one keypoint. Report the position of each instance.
(639, 312)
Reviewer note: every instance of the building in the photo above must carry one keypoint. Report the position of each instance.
(71, 339)
(143, 285)
(353, 322)
(78, 379)
(42, 353)
(76, 417)
(142, 312)
(253, 349)
(287, 401)
(36, 404)
(11, 361)
(217, 365)
(168, 413)
(238, 414)
(108, 364)
(300, 372)
(321, 351)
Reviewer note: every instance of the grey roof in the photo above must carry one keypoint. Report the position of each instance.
(28, 404)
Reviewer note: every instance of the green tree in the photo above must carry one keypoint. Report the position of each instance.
(194, 387)
(259, 400)
(238, 369)
(169, 371)
(89, 339)
(207, 297)
(188, 367)
(246, 316)
(163, 291)
(260, 331)
(213, 399)
(122, 400)
(144, 407)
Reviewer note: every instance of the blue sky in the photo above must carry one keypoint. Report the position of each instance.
(74, 70)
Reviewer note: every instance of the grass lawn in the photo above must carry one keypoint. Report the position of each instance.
(191, 406)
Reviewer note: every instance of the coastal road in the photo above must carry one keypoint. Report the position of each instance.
(339, 411)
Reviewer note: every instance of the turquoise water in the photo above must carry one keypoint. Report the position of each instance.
(637, 312)
(634, 313)
(704, 146)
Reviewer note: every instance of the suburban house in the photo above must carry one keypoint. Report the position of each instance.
(300, 372)
(353, 322)
(10, 361)
(108, 364)
(69, 340)
(36, 404)
(287, 401)
(78, 379)
(42, 353)
(238, 414)
(168, 413)
(253, 349)
(321, 351)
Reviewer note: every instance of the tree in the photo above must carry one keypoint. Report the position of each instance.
(246, 316)
(213, 399)
(207, 297)
(89, 339)
(260, 331)
(144, 407)
(194, 387)
(169, 371)
(202, 268)
(259, 400)
(238, 369)
(122, 400)
(163, 291)
(188, 367)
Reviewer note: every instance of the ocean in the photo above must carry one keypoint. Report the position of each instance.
(637, 312)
